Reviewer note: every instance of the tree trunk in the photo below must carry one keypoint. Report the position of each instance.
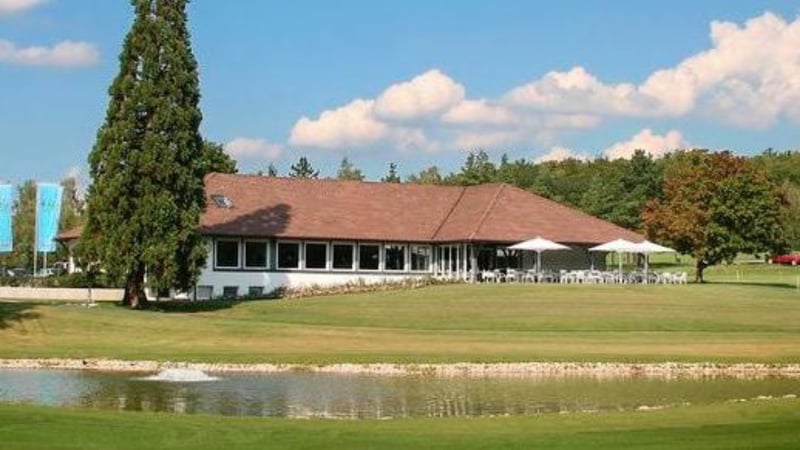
(135, 296)
(701, 265)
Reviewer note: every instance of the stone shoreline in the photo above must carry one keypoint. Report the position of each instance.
(524, 369)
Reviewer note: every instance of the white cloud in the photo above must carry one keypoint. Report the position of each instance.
(426, 95)
(63, 54)
(652, 143)
(428, 113)
(351, 125)
(750, 77)
(467, 140)
(74, 172)
(558, 153)
(81, 177)
(17, 6)
(479, 112)
(577, 91)
(248, 148)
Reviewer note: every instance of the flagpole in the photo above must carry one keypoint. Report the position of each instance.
(35, 230)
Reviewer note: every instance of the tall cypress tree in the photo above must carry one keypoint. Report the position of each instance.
(147, 164)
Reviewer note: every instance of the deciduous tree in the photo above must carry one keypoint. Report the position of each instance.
(24, 222)
(477, 169)
(430, 175)
(347, 171)
(715, 206)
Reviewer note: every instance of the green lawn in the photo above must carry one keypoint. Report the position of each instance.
(754, 316)
(756, 320)
(771, 424)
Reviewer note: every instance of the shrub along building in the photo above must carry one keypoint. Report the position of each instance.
(267, 232)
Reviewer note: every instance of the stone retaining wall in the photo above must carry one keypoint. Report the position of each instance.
(59, 294)
(665, 370)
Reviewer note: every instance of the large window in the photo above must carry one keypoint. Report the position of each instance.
(316, 255)
(394, 257)
(421, 258)
(288, 255)
(369, 257)
(343, 257)
(227, 254)
(255, 255)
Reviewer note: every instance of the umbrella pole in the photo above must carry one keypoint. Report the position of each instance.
(538, 265)
(646, 257)
(619, 259)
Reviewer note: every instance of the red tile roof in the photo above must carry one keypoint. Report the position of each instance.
(368, 211)
(70, 234)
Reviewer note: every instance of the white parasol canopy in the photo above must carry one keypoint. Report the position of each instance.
(651, 247)
(618, 246)
(538, 245)
(647, 247)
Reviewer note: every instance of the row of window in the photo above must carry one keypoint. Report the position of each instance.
(295, 255)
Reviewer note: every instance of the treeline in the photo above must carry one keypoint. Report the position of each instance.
(616, 190)
(24, 222)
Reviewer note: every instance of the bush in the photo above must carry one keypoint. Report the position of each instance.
(75, 280)
(359, 286)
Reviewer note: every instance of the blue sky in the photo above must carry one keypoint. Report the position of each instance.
(419, 83)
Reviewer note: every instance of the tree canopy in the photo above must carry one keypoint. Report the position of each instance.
(303, 169)
(216, 160)
(347, 171)
(715, 206)
(391, 176)
(430, 175)
(148, 163)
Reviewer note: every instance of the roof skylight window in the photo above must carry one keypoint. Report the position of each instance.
(222, 201)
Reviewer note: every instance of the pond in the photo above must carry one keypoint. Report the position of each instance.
(298, 394)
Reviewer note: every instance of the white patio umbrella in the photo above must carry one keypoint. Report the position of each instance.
(618, 246)
(539, 245)
(647, 247)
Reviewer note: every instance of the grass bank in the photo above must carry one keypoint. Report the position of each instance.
(769, 424)
(755, 321)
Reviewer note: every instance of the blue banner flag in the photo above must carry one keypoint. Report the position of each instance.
(6, 203)
(48, 213)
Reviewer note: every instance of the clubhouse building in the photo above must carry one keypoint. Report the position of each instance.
(267, 232)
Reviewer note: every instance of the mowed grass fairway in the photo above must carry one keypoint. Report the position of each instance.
(753, 317)
(771, 424)
(736, 322)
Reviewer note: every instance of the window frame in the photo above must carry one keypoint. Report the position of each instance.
(299, 245)
(411, 258)
(380, 256)
(327, 256)
(353, 256)
(404, 247)
(265, 243)
(238, 243)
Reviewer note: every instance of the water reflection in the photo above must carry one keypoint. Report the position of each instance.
(364, 396)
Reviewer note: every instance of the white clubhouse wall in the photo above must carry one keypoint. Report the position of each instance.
(267, 280)
(270, 281)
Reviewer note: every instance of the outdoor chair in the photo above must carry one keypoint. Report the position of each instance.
(530, 276)
(593, 276)
(610, 277)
